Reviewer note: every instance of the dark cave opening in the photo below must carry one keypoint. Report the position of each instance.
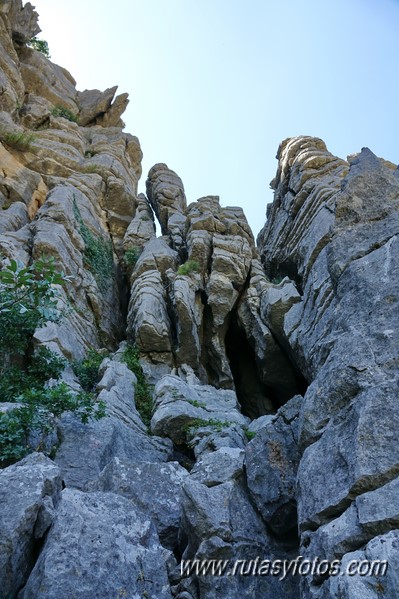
(256, 399)
(288, 268)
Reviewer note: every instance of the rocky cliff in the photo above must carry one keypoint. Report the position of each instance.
(273, 367)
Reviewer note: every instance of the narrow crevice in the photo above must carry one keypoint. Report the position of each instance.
(254, 397)
(184, 455)
(206, 333)
(36, 549)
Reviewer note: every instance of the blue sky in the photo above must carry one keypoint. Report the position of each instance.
(215, 85)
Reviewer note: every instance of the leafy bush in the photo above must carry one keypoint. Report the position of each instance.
(65, 113)
(18, 140)
(37, 413)
(143, 395)
(28, 300)
(87, 369)
(98, 254)
(40, 46)
(189, 267)
(42, 366)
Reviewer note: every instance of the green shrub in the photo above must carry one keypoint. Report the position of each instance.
(87, 369)
(143, 395)
(131, 256)
(28, 300)
(40, 46)
(39, 409)
(189, 267)
(18, 140)
(249, 434)
(42, 366)
(65, 113)
(98, 255)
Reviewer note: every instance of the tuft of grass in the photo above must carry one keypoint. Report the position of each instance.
(143, 396)
(196, 403)
(249, 434)
(189, 267)
(218, 425)
(98, 255)
(18, 140)
(65, 113)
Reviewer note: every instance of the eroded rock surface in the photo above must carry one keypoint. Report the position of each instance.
(274, 420)
(333, 230)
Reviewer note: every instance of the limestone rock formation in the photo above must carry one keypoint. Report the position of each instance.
(260, 422)
(332, 229)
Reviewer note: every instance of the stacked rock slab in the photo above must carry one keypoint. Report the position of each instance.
(68, 189)
(195, 298)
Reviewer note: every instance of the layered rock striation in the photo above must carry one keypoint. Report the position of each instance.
(274, 366)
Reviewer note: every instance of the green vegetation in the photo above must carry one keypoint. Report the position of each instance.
(196, 403)
(143, 395)
(131, 256)
(42, 366)
(87, 369)
(277, 279)
(40, 46)
(249, 434)
(65, 113)
(18, 140)
(28, 299)
(98, 255)
(218, 425)
(189, 267)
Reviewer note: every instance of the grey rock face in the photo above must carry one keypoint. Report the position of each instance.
(100, 545)
(96, 106)
(153, 487)
(87, 449)
(226, 331)
(165, 192)
(220, 523)
(179, 406)
(332, 229)
(22, 19)
(29, 491)
(272, 459)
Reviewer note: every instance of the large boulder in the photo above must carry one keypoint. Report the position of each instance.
(29, 493)
(100, 545)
